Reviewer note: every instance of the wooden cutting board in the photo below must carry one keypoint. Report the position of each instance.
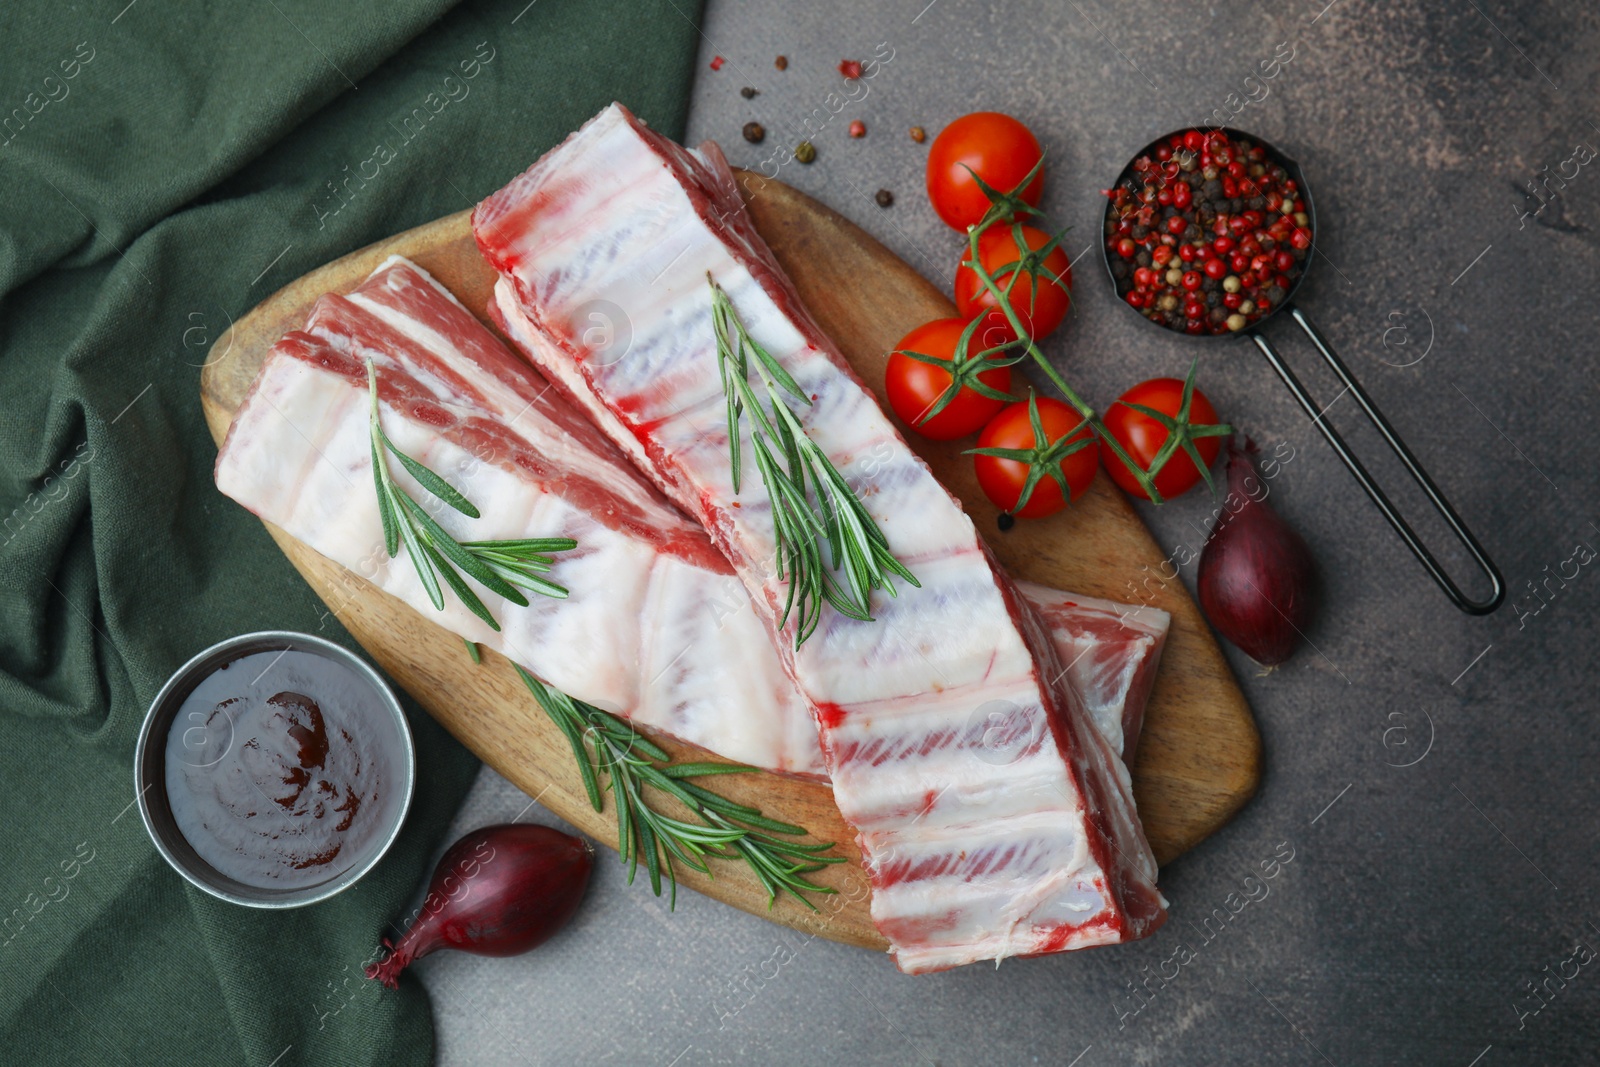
(1199, 757)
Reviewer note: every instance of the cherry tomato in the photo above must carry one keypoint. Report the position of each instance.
(915, 387)
(998, 148)
(1040, 303)
(1003, 480)
(1141, 437)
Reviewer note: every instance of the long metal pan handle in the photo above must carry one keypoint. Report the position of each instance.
(1401, 527)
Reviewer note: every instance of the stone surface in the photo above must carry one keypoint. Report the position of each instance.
(1421, 900)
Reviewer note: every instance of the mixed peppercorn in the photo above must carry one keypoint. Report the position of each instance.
(1208, 235)
(805, 151)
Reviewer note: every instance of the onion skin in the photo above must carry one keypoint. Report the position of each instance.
(499, 891)
(1257, 581)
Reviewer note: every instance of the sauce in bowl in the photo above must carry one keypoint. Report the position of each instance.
(282, 771)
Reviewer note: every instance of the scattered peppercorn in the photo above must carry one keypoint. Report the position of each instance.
(749, 92)
(858, 128)
(754, 132)
(782, 63)
(1006, 521)
(805, 151)
(884, 198)
(918, 134)
(850, 68)
(716, 63)
(1226, 224)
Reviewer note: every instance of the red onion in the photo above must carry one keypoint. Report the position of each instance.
(499, 891)
(1257, 581)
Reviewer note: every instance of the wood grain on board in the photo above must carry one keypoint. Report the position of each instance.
(1198, 758)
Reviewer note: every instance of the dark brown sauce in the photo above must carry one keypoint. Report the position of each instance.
(281, 769)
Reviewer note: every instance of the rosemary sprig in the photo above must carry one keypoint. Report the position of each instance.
(811, 501)
(503, 567)
(725, 830)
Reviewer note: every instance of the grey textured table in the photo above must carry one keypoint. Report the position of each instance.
(1431, 774)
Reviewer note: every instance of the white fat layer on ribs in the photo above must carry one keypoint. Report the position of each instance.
(644, 632)
(300, 459)
(611, 215)
(1103, 659)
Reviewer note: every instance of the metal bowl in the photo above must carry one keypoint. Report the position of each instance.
(149, 770)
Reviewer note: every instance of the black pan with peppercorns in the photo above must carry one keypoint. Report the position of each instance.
(1209, 233)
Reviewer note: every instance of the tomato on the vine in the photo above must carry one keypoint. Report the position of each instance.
(1043, 290)
(998, 148)
(915, 387)
(1031, 449)
(1142, 435)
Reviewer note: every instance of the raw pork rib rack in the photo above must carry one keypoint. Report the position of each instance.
(970, 858)
(1111, 650)
(634, 637)
(657, 628)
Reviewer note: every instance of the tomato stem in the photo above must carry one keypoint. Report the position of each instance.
(1003, 302)
(964, 368)
(1043, 459)
(1182, 432)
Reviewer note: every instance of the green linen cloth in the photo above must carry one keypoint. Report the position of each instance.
(163, 167)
